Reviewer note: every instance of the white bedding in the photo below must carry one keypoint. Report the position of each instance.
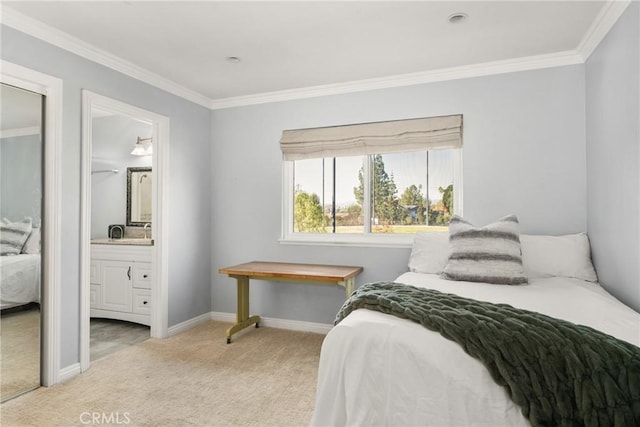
(19, 280)
(377, 369)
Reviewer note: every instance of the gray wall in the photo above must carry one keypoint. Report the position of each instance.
(113, 139)
(189, 190)
(524, 153)
(613, 157)
(21, 178)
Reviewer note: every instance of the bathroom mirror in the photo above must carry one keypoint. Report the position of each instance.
(138, 196)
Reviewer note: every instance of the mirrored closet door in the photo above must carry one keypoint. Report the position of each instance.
(21, 202)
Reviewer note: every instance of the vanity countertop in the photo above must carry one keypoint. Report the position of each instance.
(123, 241)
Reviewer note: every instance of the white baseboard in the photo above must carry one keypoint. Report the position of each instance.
(188, 324)
(69, 372)
(270, 322)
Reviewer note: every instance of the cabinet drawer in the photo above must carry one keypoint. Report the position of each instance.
(142, 301)
(142, 277)
(94, 272)
(94, 296)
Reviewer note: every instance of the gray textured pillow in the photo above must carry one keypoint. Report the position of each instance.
(488, 254)
(13, 236)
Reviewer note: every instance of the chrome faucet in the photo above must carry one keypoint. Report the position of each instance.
(113, 228)
(148, 224)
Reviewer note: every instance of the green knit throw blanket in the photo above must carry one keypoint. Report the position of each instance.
(559, 373)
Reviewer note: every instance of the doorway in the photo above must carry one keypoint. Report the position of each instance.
(123, 259)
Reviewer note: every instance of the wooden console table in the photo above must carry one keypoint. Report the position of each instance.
(341, 275)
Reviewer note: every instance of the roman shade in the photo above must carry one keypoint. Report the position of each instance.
(428, 133)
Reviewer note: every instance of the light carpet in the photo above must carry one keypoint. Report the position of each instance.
(266, 377)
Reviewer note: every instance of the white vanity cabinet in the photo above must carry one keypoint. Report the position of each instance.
(121, 282)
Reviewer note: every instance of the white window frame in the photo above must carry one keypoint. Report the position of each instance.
(365, 239)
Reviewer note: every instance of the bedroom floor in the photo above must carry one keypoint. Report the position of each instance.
(19, 351)
(266, 377)
(20, 347)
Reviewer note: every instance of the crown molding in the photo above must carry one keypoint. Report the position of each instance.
(606, 19)
(12, 133)
(558, 59)
(603, 23)
(37, 29)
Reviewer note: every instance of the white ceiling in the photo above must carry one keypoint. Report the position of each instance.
(291, 45)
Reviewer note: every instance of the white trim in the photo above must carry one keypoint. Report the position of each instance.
(188, 324)
(51, 88)
(601, 26)
(364, 240)
(13, 133)
(558, 59)
(51, 35)
(598, 30)
(69, 372)
(160, 256)
(271, 322)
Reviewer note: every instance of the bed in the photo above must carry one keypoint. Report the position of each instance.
(377, 369)
(19, 280)
(19, 262)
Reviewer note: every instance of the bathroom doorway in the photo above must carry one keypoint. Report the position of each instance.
(123, 274)
(120, 144)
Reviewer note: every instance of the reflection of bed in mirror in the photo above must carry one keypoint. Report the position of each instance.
(19, 280)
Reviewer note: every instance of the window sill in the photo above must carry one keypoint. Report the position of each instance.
(350, 240)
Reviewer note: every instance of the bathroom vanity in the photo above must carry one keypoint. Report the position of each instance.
(121, 280)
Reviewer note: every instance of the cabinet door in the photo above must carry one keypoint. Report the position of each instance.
(142, 275)
(115, 292)
(142, 301)
(95, 296)
(95, 272)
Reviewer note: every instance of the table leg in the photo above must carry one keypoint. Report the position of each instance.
(243, 319)
(349, 286)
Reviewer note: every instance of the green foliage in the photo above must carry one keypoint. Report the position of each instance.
(412, 196)
(386, 206)
(440, 214)
(447, 197)
(307, 213)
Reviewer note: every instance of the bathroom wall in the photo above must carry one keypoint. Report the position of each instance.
(113, 139)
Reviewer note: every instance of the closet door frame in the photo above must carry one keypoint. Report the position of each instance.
(51, 87)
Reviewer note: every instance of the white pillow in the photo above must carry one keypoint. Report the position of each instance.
(562, 256)
(489, 254)
(32, 245)
(430, 252)
(13, 235)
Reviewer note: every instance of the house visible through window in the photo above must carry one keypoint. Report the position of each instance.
(398, 190)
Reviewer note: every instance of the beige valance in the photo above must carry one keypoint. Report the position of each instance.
(427, 133)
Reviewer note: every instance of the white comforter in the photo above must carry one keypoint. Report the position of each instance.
(377, 369)
(19, 280)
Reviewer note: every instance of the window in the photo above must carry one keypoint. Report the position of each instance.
(371, 198)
